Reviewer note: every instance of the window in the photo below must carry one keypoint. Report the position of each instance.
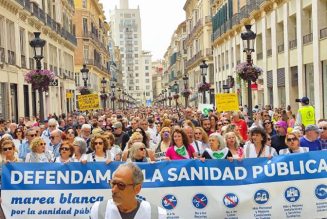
(22, 40)
(86, 54)
(147, 87)
(136, 48)
(136, 55)
(135, 42)
(85, 29)
(137, 87)
(121, 36)
(135, 35)
(146, 67)
(147, 80)
(137, 81)
(136, 68)
(147, 61)
(84, 3)
(136, 74)
(147, 74)
(147, 94)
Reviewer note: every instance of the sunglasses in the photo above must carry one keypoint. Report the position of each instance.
(52, 126)
(291, 139)
(7, 149)
(267, 123)
(323, 128)
(64, 149)
(142, 149)
(98, 143)
(70, 133)
(226, 123)
(19, 131)
(32, 135)
(120, 185)
(42, 144)
(197, 133)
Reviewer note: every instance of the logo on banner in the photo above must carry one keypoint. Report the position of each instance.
(261, 196)
(321, 191)
(169, 202)
(230, 200)
(292, 194)
(200, 201)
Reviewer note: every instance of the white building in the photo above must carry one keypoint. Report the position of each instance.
(136, 64)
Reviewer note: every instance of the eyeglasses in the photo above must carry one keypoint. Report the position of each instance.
(291, 139)
(197, 133)
(52, 137)
(42, 144)
(267, 123)
(120, 185)
(142, 149)
(7, 149)
(32, 135)
(52, 126)
(323, 128)
(64, 149)
(98, 143)
(70, 133)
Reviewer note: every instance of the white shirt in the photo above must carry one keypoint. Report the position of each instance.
(112, 211)
(201, 146)
(253, 154)
(300, 150)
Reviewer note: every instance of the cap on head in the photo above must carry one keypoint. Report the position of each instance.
(305, 100)
(312, 128)
(117, 125)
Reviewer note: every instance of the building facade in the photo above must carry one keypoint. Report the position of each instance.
(126, 25)
(92, 45)
(289, 47)
(18, 21)
(156, 73)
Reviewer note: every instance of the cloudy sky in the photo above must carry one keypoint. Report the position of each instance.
(160, 19)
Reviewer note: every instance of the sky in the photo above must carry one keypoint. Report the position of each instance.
(160, 18)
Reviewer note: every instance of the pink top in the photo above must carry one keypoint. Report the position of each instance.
(171, 153)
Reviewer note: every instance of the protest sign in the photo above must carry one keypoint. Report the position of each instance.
(289, 186)
(88, 102)
(204, 108)
(227, 102)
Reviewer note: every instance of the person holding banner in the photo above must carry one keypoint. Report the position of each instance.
(66, 151)
(257, 147)
(293, 144)
(181, 148)
(38, 153)
(79, 149)
(236, 152)
(100, 153)
(218, 149)
(138, 153)
(8, 151)
(125, 184)
(165, 136)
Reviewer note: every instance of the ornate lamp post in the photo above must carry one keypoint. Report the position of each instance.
(104, 95)
(248, 38)
(169, 94)
(37, 43)
(85, 75)
(176, 96)
(204, 68)
(113, 97)
(124, 93)
(186, 92)
(120, 100)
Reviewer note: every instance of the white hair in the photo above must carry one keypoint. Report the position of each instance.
(53, 121)
(86, 126)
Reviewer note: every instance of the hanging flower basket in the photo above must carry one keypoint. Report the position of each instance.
(84, 90)
(176, 96)
(103, 96)
(40, 79)
(248, 72)
(186, 92)
(113, 98)
(204, 86)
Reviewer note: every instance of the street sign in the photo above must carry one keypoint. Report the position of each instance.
(54, 83)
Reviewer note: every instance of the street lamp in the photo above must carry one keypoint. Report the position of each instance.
(204, 68)
(85, 75)
(104, 95)
(113, 98)
(186, 93)
(37, 43)
(119, 97)
(248, 38)
(176, 96)
(169, 94)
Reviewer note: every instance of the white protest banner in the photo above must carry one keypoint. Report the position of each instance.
(204, 108)
(290, 186)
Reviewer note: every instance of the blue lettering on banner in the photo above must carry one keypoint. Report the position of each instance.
(76, 176)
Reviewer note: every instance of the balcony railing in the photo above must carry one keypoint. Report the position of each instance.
(23, 61)
(259, 56)
(235, 19)
(194, 59)
(280, 48)
(2, 55)
(269, 52)
(323, 33)
(21, 2)
(307, 39)
(37, 12)
(292, 44)
(11, 58)
(197, 26)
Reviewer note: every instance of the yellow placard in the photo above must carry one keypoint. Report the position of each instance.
(69, 95)
(88, 102)
(227, 102)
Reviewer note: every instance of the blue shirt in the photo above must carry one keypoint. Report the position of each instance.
(24, 149)
(312, 145)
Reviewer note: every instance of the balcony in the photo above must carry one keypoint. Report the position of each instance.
(2, 54)
(21, 2)
(280, 48)
(292, 44)
(11, 58)
(259, 56)
(194, 59)
(235, 19)
(307, 39)
(23, 61)
(37, 12)
(97, 64)
(323, 33)
(195, 29)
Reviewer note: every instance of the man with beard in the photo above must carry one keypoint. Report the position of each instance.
(125, 184)
(206, 125)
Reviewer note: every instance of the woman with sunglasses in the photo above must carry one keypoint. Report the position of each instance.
(236, 152)
(99, 146)
(38, 153)
(181, 148)
(66, 151)
(136, 137)
(18, 137)
(257, 147)
(138, 153)
(293, 144)
(8, 152)
(202, 136)
(70, 134)
(269, 128)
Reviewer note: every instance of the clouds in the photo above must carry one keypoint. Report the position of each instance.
(160, 18)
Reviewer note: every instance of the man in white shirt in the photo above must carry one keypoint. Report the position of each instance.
(126, 183)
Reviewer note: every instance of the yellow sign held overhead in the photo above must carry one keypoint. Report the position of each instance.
(88, 102)
(227, 102)
(69, 95)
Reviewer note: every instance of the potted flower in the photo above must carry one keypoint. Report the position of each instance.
(113, 98)
(248, 71)
(40, 79)
(204, 86)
